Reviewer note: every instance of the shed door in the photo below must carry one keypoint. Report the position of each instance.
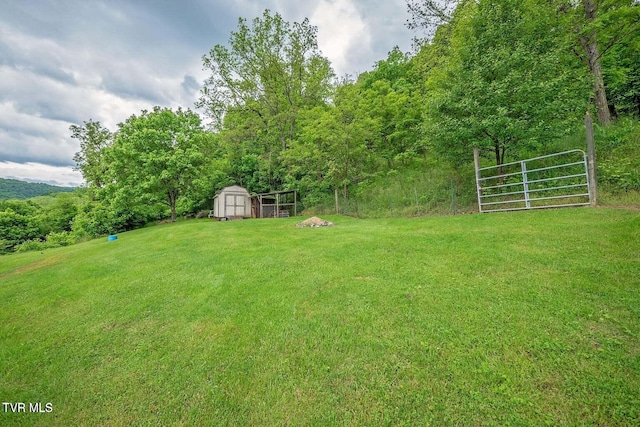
(234, 205)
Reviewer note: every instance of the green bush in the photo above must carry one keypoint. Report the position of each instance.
(16, 228)
(58, 216)
(97, 219)
(53, 240)
(618, 154)
(31, 245)
(63, 238)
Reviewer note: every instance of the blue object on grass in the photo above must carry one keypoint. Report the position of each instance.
(112, 237)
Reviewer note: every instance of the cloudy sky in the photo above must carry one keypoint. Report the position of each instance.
(63, 62)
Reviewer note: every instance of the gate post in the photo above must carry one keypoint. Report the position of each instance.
(476, 161)
(591, 156)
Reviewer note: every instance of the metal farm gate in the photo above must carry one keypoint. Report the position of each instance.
(555, 180)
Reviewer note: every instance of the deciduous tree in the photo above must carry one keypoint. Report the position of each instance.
(270, 72)
(157, 156)
(594, 26)
(505, 85)
(94, 138)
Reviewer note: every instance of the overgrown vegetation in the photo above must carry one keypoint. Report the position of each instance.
(619, 157)
(503, 75)
(417, 188)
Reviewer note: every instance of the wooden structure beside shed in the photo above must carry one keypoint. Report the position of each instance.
(277, 204)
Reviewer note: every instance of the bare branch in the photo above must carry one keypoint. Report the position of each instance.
(427, 15)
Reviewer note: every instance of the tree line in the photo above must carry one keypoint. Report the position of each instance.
(15, 189)
(507, 76)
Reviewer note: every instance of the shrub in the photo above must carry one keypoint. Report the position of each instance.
(63, 238)
(31, 245)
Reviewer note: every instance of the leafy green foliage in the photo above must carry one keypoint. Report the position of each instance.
(587, 28)
(99, 218)
(94, 140)
(337, 139)
(41, 222)
(395, 141)
(59, 215)
(271, 69)
(393, 100)
(260, 85)
(621, 66)
(156, 157)
(598, 26)
(18, 223)
(500, 88)
(52, 240)
(619, 156)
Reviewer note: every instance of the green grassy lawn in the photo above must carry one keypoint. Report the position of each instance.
(529, 318)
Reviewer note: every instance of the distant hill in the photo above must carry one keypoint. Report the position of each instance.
(14, 189)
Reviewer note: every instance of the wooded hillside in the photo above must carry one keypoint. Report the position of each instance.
(15, 189)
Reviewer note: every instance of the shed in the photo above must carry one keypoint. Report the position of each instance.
(232, 202)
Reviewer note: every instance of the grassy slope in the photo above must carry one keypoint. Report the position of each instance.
(527, 318)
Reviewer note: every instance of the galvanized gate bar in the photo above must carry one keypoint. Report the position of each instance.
(560, 177)
(524, 196)
(564, 205)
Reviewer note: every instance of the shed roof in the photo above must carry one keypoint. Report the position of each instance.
(234, 189)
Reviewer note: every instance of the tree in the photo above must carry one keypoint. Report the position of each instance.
(391, 96)
(308, 157)
(94, 139)
(253, 161)
(59, 215)
(14, 189)
(601, 25)
(353, 132)
(18, 223)
(259, 86)
(428, 15)
(271, 69)
(335, 145)
(156, 156)
(594, 25)
(621, 69)
(597, 26)
(506, 84)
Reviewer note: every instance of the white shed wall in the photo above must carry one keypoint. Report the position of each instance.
(232, 202)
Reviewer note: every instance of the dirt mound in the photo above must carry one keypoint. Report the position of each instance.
(314, 221)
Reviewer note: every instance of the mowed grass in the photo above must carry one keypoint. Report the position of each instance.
(529, 318)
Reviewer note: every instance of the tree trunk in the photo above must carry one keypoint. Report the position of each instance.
(499, 150)
(172, 204)
(590, 45)
(496, 148)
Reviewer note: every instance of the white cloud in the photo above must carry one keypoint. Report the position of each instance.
(38, 172)
(25, 137)
(63, 63)
(341, 30)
